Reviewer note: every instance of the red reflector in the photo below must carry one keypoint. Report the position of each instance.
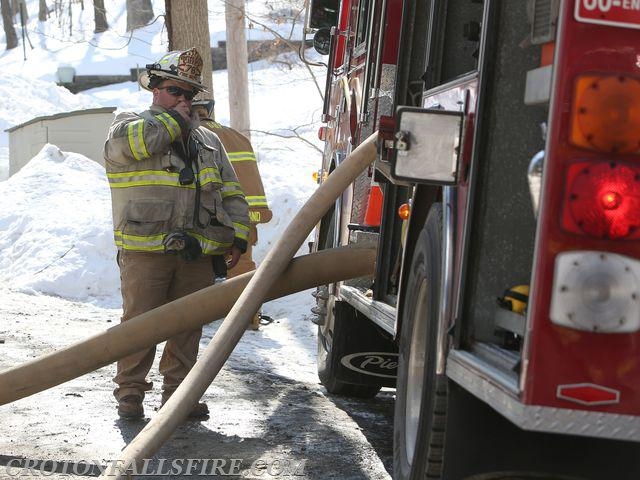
(603, 200)
(322, 133)
(588, 394)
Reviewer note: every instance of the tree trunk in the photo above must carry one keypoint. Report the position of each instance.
(22, 11)
(188, 26)
(100, 16)
(43, 11)
(7, 21)
(139, 13)
(237, 61)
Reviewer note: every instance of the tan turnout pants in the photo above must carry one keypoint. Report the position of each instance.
(149, 280)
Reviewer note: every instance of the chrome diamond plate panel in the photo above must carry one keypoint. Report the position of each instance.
(543, 419)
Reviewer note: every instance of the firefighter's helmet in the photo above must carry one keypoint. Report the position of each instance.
(515, 299)
(182, 65)
(204, 107)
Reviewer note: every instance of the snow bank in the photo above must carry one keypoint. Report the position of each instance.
(57, 238)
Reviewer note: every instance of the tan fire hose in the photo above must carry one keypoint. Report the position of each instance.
(157, 325)
(175, 411)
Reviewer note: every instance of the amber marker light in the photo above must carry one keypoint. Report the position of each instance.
(319, 176)
(404, 211)
(605, 114)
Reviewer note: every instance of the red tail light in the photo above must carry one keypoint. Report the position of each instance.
(603, 200)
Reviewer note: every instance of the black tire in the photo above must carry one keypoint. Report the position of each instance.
(421, 394)
(329, 353)
(338, 316)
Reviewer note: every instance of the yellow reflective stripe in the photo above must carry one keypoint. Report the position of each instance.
(160, 177)
(207, 181)
(209, 246)
(146, 243)
(210, 175)
(230, 193)
(241, 156)
(256, 200)
(170, 124)
(140, 135)
(242, 230)
(138, 248)
(149, 239)
(254, 216)
(116, 177)
(131, 141)
(153, 243)
(229, 189)
(145, 183)
(145, 178)
(135, 136)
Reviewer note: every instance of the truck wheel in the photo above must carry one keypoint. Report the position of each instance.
(337, 318)
(330, 337)
(421, 393)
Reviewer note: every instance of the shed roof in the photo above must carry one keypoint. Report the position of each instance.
(63, 115)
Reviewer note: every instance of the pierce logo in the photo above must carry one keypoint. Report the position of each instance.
(378, 364)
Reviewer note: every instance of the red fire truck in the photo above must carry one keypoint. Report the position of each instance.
(505, 205)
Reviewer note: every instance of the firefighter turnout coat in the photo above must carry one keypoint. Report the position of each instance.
(244, 162)
(161, 185)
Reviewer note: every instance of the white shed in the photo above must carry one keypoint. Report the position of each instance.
(80, 131)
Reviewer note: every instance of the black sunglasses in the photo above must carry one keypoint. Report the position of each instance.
(177, 91)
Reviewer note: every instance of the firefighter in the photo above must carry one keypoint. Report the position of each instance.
(177, 205)
(244, 162)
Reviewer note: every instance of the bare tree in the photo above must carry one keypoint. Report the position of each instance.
(188, 26)
(139, 13)
(292, 14)
(7, 21)
(100, 16)
(43, 10)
